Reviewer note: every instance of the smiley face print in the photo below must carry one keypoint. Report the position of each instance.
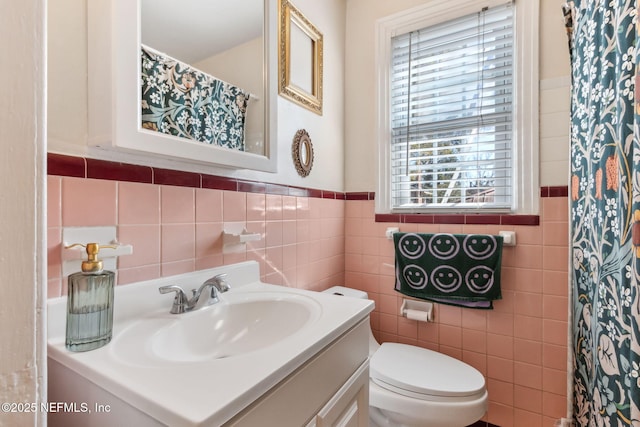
(446, 278)
(479, 279)
(412, 246)
(444, 246)
(479, 247)
(415, 276)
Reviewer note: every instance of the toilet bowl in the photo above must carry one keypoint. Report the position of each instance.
(412, 386)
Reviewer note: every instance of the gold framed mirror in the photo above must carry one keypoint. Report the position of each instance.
(300, 58)
(302, 152)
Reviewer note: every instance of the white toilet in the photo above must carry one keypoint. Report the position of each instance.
(412, 386)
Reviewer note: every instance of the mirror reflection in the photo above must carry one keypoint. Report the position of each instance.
(301, 54)
(203, 71)
(304, 154)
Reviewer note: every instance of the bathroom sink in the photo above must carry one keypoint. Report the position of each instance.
(199, 368)
(237, 325)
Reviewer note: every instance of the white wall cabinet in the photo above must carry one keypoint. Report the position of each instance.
(114, 113)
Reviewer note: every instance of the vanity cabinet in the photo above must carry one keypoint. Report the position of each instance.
(231, 364)
(350, 405)
(332, 389)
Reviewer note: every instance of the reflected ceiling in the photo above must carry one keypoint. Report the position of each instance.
(213, 26)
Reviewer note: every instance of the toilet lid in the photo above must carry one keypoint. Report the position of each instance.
(425, 372)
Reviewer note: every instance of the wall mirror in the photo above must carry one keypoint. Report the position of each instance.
(230, 41)
(302, 152)
(300, 58)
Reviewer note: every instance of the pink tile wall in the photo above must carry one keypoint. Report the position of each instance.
(176, 229)
(520, 346)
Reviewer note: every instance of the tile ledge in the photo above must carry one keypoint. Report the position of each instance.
(463, 219)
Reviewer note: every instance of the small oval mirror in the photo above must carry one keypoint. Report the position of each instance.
(302, 151)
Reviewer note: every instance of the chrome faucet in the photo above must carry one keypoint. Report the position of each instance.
(182, 304)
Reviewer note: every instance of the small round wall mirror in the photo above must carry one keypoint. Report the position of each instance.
(302, 151)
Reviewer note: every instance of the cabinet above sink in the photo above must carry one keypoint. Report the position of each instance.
(119, 117)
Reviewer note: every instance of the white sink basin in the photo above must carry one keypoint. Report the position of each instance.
(237, 325)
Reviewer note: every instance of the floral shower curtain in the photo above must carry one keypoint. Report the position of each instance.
(605, 212)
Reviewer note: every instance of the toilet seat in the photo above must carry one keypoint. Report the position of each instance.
(424, 374)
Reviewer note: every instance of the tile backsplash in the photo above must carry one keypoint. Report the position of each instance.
(176, 229)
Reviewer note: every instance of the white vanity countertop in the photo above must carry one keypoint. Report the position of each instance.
(208, 392)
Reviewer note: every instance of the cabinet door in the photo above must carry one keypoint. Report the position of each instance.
(349, 407)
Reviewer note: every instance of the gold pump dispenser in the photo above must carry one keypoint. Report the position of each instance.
(92, 264)
(90, 302)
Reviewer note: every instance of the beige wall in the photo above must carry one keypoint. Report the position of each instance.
(67, 75)
(67, 127)
(22, 121)
(344, 136)
(326, 131)
(555, 85)
(360, 113)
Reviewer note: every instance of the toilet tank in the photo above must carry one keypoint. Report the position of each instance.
(347, 292)
(354, 293)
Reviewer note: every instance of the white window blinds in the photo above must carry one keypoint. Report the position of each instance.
(451, 113)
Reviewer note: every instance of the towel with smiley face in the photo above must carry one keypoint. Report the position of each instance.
(456, 269)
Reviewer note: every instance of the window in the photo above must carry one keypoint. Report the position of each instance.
(456, 110)
(451, 99)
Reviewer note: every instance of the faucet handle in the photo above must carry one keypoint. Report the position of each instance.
(223, 285)
(180, 301)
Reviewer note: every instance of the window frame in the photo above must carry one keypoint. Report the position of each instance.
(525, 114)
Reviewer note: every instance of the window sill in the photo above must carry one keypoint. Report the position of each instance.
(478, 219)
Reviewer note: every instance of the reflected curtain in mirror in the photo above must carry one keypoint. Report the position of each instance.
(182, 101)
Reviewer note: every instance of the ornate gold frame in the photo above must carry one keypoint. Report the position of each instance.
(289, 14)
(302, 152)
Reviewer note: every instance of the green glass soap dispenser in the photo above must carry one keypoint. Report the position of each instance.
(90, 303)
